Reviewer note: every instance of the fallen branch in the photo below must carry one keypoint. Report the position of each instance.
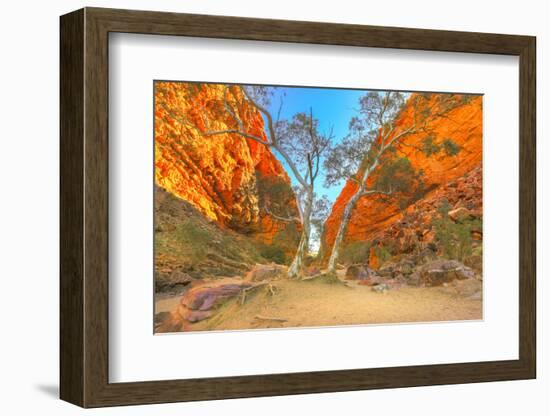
(270, 318)
(246, 290)
(313, 276)
(325, 277)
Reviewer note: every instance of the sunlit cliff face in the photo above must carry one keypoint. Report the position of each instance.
(373, 214)
(216, 174)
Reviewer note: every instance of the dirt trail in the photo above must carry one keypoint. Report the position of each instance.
(315, 303)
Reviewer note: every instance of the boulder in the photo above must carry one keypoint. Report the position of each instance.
(359, 272)
(372, 281)
(387, 270)
(467, 288)
(266, 272)
(174, 281)
(437, 272)
(425, 255)
(477, 235)
(414, 279)
(381, 288)
(475, 262)
(208, 296)
(195, 316)
(459, 214)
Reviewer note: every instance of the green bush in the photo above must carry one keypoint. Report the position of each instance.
(356, 252)
(455, 238)
(191, 232)
(383, 254)
(288, 237)
(273, 253)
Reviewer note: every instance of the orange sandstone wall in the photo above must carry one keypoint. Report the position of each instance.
(372, 215)
(216, 174)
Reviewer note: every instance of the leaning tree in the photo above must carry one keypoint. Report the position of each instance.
(298, 141)
(371, 154)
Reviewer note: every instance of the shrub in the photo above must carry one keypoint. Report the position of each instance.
(190, 232)
(287, 239)
(356, 252)
(273, 253)
(383, 254)
(455, 238)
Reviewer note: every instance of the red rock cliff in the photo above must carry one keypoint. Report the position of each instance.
(372, 216)
(216, 174)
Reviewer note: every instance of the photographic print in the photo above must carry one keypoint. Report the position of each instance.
(290, 206)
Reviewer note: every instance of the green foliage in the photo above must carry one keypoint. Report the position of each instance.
(383, 253)
(288, 237)
(444, 207)
(285, 241)
(356, 252)
(273, 253)
(450, 147)
(189, 231)
(274, 192)
(430, 147)
(276, 196)
(455, 238)
(186, 240)
(396, 175)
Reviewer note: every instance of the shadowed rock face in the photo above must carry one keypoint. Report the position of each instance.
(217, 174)
(374, 215)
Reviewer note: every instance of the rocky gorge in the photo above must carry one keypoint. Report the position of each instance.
(221, 256)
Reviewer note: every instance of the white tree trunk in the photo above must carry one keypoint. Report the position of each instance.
(346, 216)
(296, 265)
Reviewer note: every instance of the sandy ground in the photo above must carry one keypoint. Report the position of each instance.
(166, 303)
(313, 303)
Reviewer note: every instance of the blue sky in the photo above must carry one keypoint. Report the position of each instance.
(332, 107)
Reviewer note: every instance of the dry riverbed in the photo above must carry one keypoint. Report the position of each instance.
(316, 303)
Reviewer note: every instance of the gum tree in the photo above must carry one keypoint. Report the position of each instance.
(370, 155)
(298, 141)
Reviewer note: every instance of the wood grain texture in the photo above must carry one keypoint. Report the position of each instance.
(84, 207)
(71, 212)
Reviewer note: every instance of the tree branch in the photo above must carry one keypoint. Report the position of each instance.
(375, 192)
(280, 218)
(274, 141)
(234, 131)
(229, 110)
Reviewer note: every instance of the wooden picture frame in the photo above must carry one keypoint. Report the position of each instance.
(84, 207)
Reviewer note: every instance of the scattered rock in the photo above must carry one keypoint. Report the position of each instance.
(477, 235)
(265, 272)
(387, 270)
(437, 272)
(475, 262)
(360, 272)
(459, 214)
(381, 288)
(467, 288)
(370, 281)
(425, 255)
(172, 282)
(414, 279)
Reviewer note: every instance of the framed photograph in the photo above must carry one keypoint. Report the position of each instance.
(256, 207)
